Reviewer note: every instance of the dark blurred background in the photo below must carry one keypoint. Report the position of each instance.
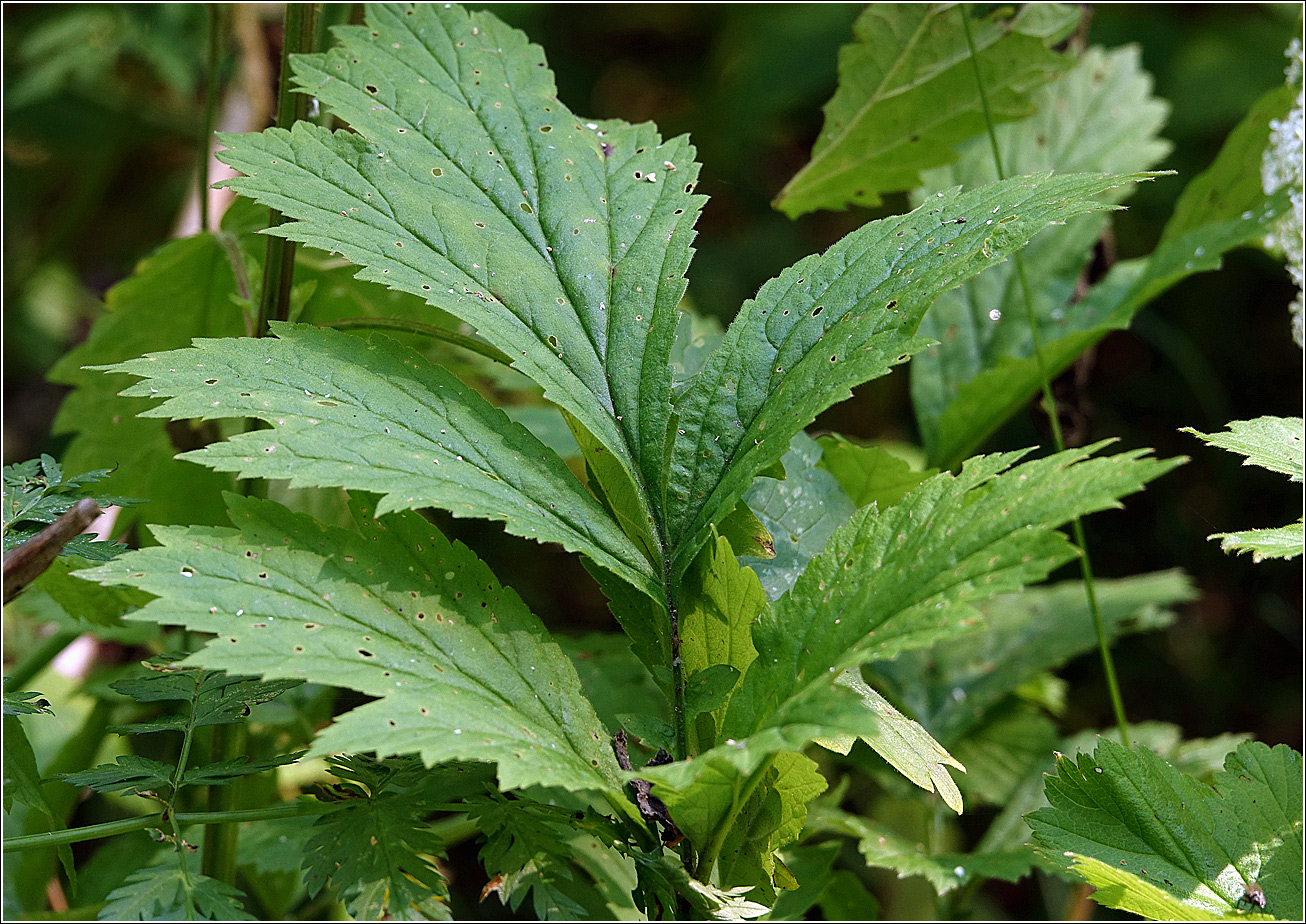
(102, 116)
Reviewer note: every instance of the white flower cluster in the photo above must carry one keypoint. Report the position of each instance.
(1282, 166)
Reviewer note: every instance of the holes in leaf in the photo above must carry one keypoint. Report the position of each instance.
(553, 341)
(210, 381)
(678, 212)
(892, 305)
(546, 128)
(365, 653)
(370, 89)
(480, 224)
(329, 403)
(638, 175)
(526, 207)
(262, 575)
(187, 571)
(817, 310)
(426, 288)
(436, 171)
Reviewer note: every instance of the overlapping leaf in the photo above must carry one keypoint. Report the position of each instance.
(1132, 812)
(901, 578)
(907, 94)
(461, 668)
(1099, 116)
(372, 415)
(466, 182)
(836, 320)
(170, 892)
(1218, 211)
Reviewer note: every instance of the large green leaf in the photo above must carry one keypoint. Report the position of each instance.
(466, 182)
(461, 668)
(1132, 812)
(1218, 211)
(907, 93)
(1100, 116)
(371, 415)
(835, 320)
(1274, 443)
(889, 581)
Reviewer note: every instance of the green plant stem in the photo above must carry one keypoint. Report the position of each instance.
(36, 660)
(140, 823)
(1050, 405)
(470, 344)
(216, 22)
(279, 265)
(229, 743)
(707, 859)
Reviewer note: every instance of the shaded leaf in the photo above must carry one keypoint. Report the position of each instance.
(800, 513)
(1100, 116)
(868, 474)
(952, 686)
(1205, 225)
(375, 852)
(461, 668)
(180, 291)
(882, 848)
(907, 93)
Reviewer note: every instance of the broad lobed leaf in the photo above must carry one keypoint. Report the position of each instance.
(372, 415)
(466, 182)
(461, 668)
(836, 320)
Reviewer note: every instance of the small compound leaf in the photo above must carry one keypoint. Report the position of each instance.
(907, 94)
(170, 893)
(461, 668)
(127, 774)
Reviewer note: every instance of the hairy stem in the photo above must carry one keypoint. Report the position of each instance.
(1050, 405)
(229, 743)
